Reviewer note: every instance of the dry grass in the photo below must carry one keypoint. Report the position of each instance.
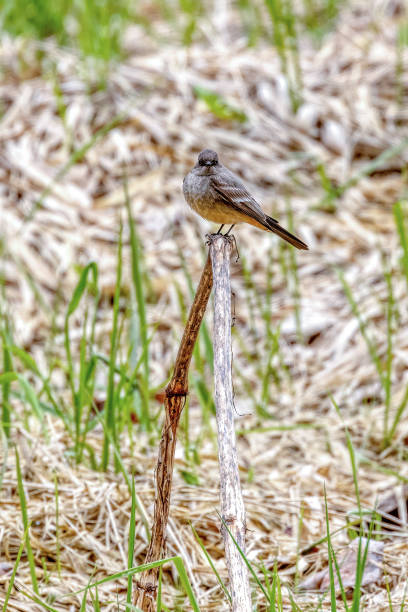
(350, 115)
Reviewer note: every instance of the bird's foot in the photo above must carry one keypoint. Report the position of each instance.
(230, 237)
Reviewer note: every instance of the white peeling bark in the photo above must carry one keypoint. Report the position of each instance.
(232, 503)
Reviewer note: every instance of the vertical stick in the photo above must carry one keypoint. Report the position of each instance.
(232, 503)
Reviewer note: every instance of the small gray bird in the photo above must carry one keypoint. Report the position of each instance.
(216, 194)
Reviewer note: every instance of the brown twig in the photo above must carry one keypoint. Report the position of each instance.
(232, 503)
(175, 394)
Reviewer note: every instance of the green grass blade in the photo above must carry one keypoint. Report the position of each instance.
(5, 386)
(124, 574)
(363, 327)
(247, 563)
(376, 164)
(354, 471)
(79, 397)
(293, 604)
(138, 503)
(39, 601)
(218, 106)
(159, 590)
(15, 568)
(403, 236)
(271, 588)
(285, 38)
(79, 290)
(57, 526)
(251, 17)
(137, 278)
(339, 578)
(402, 608)
(387, 587)
(4, 441)
(24, 514)
(333, 602)
(31, 398)
(398, 415)
(110, 417)
(131, 541)
(76, 156)
(382, 469)
(390, 315)
(352, 456)
(299, 535)
(361, 562)
(178, 562)
(29, 363)
(210, 561)
(361, 559)
(95, 600)
(25, 358)
(293, 270)
(83, 601)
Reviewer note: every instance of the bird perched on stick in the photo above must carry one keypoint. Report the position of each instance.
(216, 194)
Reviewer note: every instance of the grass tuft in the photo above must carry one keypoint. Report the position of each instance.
(218, 106)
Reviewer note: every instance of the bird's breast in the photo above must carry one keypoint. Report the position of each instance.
(196, 190)
(200, 197)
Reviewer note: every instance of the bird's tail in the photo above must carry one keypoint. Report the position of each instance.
(273, 226)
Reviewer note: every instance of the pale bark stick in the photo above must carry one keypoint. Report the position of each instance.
(174, 399)
(232, 503)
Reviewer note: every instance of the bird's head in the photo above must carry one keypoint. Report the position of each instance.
(207, 158)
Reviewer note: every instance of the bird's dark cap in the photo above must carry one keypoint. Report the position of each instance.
(207, 157)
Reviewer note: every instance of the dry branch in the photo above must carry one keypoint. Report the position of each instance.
(232, 503)
(175, 395)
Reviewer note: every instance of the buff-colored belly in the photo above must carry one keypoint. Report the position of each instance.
(217, 212)
(221, 213)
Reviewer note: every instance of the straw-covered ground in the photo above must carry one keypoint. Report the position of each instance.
(337, 165)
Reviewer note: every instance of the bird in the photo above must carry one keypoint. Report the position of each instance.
(217, 194)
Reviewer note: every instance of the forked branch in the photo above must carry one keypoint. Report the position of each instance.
(175, 395)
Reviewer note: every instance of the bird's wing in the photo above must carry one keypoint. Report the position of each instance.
(233, 192)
